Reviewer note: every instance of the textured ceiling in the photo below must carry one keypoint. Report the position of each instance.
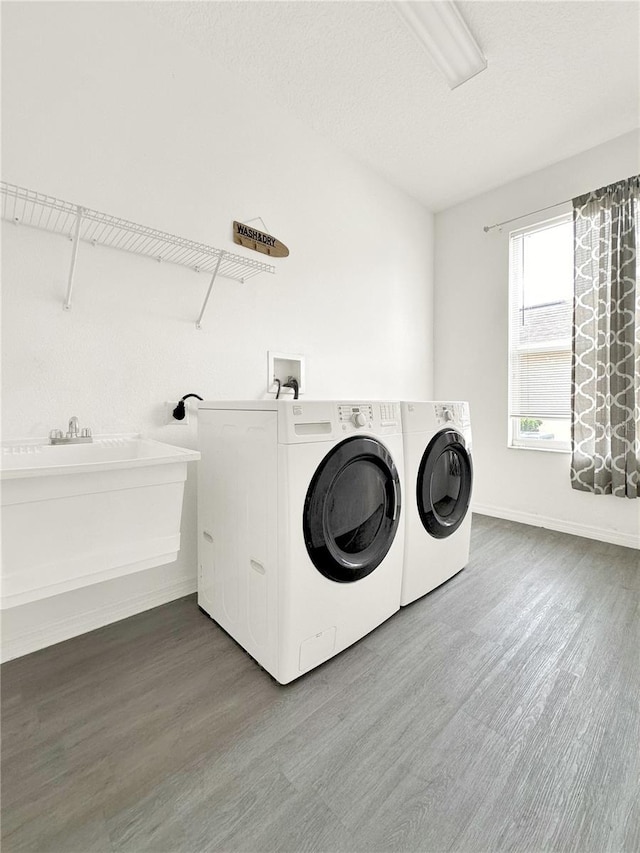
(562, 78)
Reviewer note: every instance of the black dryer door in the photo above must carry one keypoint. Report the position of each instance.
(352, 509)
(443, 487)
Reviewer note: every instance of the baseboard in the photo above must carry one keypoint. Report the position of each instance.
(628, 540)
(80, 623)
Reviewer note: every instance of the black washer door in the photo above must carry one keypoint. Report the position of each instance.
(443, 488)
(352, 509)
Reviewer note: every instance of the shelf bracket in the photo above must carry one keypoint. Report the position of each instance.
(209, 289)
(74, 256)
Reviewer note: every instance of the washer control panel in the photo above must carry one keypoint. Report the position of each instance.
(359, 415)
(320, 420)
(366, 416)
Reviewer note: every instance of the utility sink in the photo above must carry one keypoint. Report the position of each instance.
(78, 514)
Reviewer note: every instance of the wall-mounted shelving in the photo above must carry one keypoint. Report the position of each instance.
(81, 224)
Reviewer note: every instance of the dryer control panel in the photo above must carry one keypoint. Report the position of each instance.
(454, 413)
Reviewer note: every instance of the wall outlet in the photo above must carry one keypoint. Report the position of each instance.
(170, 420)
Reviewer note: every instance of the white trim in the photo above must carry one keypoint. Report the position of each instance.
(547, 449)
(557, 350)
(542, 224)
(602, 534)
(80, 623)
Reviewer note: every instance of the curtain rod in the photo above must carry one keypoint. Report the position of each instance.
(524, 215)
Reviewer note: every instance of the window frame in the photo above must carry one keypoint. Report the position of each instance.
(514, 440)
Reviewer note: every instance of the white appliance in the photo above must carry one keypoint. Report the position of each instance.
(300, 530)
(439, 480)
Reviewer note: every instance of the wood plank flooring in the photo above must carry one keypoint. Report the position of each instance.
(501, 712)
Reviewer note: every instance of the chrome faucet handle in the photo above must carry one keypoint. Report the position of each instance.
(74, 436)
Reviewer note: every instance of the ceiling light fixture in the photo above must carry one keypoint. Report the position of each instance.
(440, 29)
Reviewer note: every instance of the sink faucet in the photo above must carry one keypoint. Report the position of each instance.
(73, 436)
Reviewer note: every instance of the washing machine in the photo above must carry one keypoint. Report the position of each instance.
(439, 481)
(300, 526)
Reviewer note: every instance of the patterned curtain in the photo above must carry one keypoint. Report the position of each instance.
(605, 391)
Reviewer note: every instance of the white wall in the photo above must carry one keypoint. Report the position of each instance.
(471, 347)
(102, 109)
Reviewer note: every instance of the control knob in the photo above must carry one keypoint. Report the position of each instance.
(359, 419)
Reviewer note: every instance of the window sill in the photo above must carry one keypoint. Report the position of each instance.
(538, 449)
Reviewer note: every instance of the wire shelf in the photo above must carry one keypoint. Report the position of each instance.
(27, 207)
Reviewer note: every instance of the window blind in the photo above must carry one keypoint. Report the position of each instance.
(539, 339)
(541, 384)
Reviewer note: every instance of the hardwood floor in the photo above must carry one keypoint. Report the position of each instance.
(501, 712)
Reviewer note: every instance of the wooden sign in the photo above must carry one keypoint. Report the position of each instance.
(251, 238)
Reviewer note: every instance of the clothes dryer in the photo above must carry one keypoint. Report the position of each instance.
(300, 528)
(439, 481)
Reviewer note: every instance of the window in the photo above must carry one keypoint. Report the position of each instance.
(540, 316)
